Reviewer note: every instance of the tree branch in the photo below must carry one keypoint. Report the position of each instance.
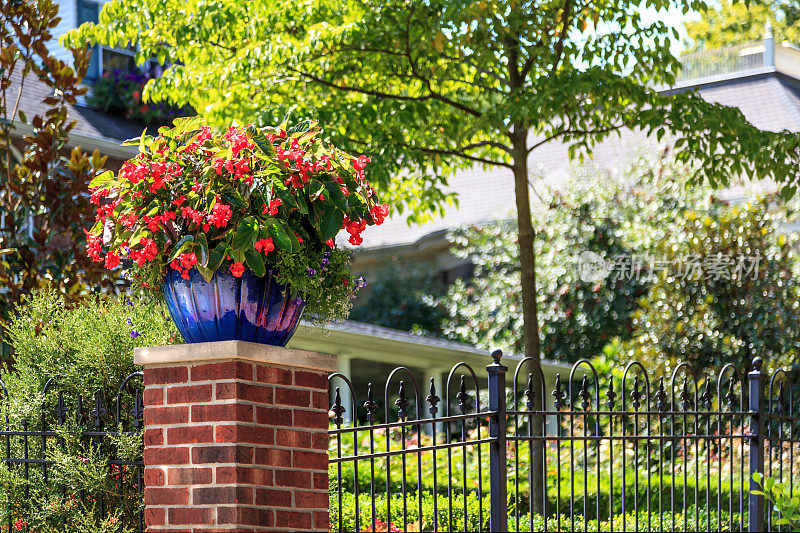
(559, 49)
(462, 155)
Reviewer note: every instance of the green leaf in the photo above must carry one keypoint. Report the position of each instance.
(101, 179)
(336, 195)
(255, 261)
(331, 223)
(181, 246)
(188, 123)
(280, 236)
(202, 248)
(217, 256)
(246, 234)
(207, 273)
(235, 200)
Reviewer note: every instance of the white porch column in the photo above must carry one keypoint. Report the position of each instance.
(343, 363)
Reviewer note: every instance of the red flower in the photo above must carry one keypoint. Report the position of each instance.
(272, 209)
(265, 245)
(178, 201)
(220, 215)
(330, 243)
(188, 260)
(205, 134)
(222, 165)
(238, 140)
(237, 269)
(93, 245)
(97, 194)
(112, 260)
(361, 163)
(379, 213)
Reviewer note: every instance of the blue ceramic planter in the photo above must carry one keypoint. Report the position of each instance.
(249, 308)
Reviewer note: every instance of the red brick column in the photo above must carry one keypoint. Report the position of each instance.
(235, 437)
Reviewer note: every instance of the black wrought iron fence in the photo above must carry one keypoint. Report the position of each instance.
(41, 481)
(618, 452)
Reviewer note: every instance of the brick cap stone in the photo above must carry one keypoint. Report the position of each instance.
(236, 350)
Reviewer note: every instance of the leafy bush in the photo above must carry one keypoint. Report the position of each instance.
(87, 350)
(406, 512)
(613, 216)
(744, 301)
(786, 505)
(403, 297)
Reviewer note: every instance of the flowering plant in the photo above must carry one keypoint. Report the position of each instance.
(120, 91)
(256, 197)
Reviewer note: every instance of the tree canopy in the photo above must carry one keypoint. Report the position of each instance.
(730, 23)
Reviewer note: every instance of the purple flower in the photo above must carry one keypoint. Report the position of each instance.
(128, 301)
(135, 334)
(298, 301)
(361, 283)
(311, 271)
(129, 321)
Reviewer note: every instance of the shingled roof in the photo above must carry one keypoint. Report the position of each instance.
(768, 98)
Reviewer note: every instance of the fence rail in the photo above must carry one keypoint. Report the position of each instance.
(29, 450)
(613, 453)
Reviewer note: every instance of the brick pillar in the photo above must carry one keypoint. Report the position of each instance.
(235, 437)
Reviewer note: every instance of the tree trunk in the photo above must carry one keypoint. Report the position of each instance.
(530, 316)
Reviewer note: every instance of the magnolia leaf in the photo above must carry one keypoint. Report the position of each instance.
(336, 195)
(101, 179)
(255, 261)
(237, 255)
(142, 140)
(279, 235)
(188, 123)
(235, 200)
(181, 246)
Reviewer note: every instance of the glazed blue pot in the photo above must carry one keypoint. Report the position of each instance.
(247, 308)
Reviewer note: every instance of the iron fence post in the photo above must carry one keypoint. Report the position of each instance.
(755, 507)
(498, 507)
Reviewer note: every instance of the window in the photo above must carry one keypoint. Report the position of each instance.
(104, 59)
(87, 12)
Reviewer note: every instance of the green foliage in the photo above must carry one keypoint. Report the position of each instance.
(437, 86)
(731, 23)
(402, 297)
(254, 197)
(613, 216)
(748, 307)
(682, 520)
(79, 476)
(90, 347)
(782, 501)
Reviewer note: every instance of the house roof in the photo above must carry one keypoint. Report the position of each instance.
(769, 99)
(376, 343)
(93, 128)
